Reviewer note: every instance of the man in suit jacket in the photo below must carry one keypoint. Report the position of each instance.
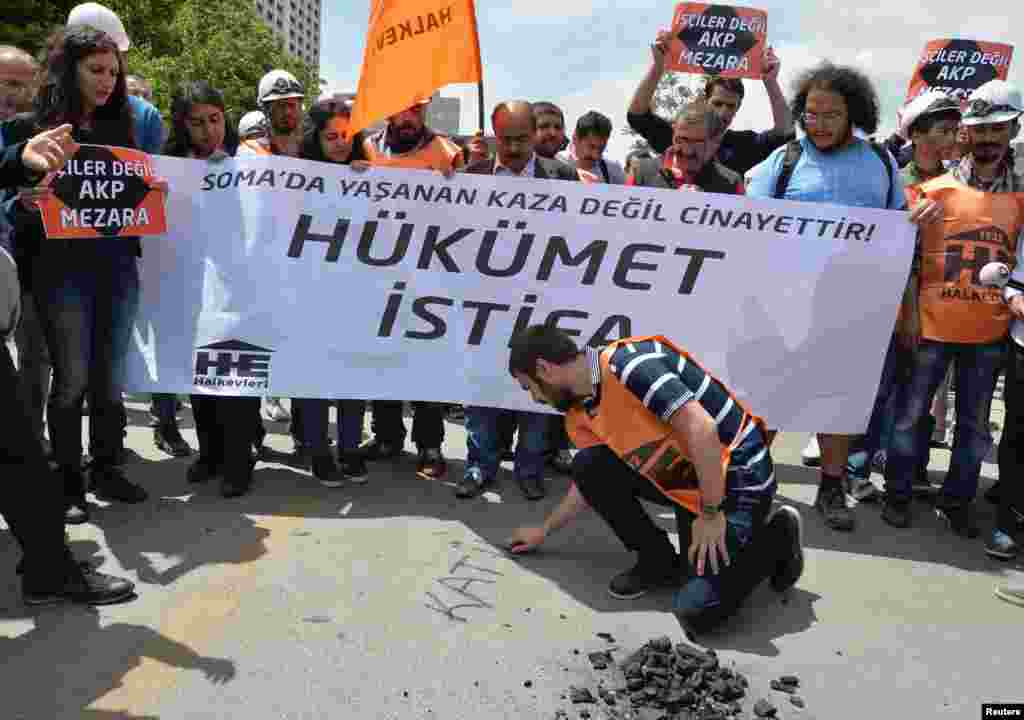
(489, 429)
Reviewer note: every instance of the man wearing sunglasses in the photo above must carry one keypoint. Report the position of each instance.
(961, 318)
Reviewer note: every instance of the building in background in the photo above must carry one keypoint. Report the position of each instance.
(443, 114)
(297, 23)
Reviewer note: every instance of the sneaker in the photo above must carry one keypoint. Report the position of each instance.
(82, 584)
(1011, 593)
(959, 517)
(472, 483)
(168, 439)
(76, 507)
(644, 577)
(811, 454)
(274, 411)
(896, 513)
(831, 503)
(377, 449)
(110, 483)
(863, 490)
(561, 461)
(200, 471)
(791, 566)
(326, 471)
(353, 467)
(1001, 545)
(431, 465)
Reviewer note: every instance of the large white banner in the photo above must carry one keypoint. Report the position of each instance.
(305, 279)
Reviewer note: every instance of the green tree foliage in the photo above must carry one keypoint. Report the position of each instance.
(673, 90)
(224, 42)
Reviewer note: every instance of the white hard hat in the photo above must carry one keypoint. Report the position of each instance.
(278, 85)
(927, 103)
(103, 19)
(994, 102)
(253, 120)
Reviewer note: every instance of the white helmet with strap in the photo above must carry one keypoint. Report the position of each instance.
(278, 85)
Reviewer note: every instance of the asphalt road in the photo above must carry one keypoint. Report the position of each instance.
(394, 600)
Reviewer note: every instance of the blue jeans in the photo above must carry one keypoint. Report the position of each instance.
(315, 416)
(484, 441)
(87, 304)
(976, 368)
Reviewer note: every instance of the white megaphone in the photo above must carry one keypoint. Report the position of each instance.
(997, 274)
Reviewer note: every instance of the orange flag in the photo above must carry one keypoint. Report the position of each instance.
(413, 48)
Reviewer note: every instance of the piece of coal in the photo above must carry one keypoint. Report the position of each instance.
(782, 687)
(651, 691)
(635, 683)
(797, 700)
(600, 660)
(606, 636)
(763, 708)
(580, 695)
(656, 671)
(584, 714)
(662, 644)
(528, 683)
(720, 688)
(608, 697)
(638, 698)
(734, 690)
(790, 680)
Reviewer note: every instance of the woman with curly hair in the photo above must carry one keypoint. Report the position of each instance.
(87, 292)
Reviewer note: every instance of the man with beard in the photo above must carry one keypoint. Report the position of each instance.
(550, 138)
(690, 162)
(280, 98)
(407, 142)
(963, 320)
(832, 164)
(652, 424)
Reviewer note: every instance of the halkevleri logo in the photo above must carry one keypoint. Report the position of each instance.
(232, 365)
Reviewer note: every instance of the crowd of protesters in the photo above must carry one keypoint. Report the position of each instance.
(78, 300)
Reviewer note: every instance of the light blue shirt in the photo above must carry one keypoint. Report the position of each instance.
(149, 126)
(852, 176)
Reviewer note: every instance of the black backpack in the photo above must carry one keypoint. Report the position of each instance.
(793, 152)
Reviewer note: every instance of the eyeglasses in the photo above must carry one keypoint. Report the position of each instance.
(829, 118)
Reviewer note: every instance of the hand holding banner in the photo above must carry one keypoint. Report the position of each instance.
(718, 40)
(104, 192)
(958, 67)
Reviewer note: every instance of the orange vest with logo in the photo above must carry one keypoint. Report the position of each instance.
(438, 154)
(979, 228)
(646, 443)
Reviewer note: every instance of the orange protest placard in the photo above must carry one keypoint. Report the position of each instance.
(717, 40)
(104, 192)
(958, 67)
(414, 47)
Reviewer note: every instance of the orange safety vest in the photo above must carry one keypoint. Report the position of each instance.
(979, 228)
(439, 153)
(641, 439)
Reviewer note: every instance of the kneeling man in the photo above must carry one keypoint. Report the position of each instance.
(650, 423)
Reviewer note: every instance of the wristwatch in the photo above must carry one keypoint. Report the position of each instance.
(710, 510)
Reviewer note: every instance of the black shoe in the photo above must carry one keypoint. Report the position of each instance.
(959, 517)
(472, 483)
(326, 471)
(994, 493)
(377, 449)
(110, 483)
(353, 467)
(200, 471)
(81, 584)
(921, 485)
(896, 512)
(791, 564)
(76, 507)
(168, 439)
(1001, 545)
(532, 487)
(234, 485)
(644, 577)
(831, 503)
(431, 464)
